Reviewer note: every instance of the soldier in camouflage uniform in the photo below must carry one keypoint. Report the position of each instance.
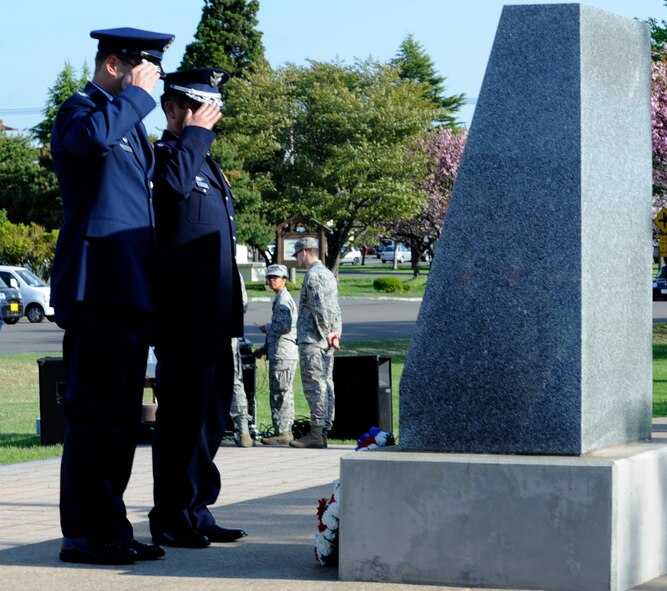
(318, 333)
(281, 349)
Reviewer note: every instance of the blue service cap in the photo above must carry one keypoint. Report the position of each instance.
(134, 43)
(198, 84)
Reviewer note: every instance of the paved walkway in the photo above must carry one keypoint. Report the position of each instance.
(271, 492)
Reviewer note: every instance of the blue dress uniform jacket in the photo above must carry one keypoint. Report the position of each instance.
(104, 162)
(195, 227)
(196, 231)
(101, 289)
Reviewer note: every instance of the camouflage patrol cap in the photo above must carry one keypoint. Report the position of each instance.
(306, 243)
(277, 271)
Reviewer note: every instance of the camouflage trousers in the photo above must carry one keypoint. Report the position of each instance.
(239, 408)
(317, 379)
(281, 394)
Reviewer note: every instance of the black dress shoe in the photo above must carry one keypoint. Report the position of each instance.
(181, 537)
(83, 550)
(145, 551)
(218, 534)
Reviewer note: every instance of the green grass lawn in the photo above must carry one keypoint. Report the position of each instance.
(358, 282)
(19, 395)
(660, 370)
(19, 398)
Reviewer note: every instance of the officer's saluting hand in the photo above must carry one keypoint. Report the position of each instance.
(144, 75)
(205, 116)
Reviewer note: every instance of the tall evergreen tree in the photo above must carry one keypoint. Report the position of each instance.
(226, 38)
(413, 63)
(66, 85)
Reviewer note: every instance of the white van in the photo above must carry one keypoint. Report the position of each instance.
(34, 291)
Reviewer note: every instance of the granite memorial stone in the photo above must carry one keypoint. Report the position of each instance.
(531, 359)
(534, 336)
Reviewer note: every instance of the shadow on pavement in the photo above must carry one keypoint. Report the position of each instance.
(279, 547)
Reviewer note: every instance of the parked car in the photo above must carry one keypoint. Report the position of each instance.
(34, 292)
(403, 254)
(660, 284)
(385, 244)
(352, 256)
(11, 303)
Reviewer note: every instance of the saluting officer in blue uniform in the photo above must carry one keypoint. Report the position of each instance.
(102, 290)
(196, 232)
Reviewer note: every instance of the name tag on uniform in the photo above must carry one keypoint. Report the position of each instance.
(201, 182)
(124, 145)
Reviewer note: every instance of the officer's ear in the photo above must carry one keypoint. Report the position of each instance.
(111, 64)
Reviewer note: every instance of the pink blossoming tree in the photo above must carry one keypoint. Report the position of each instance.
(445, 148)
(659, 125)
(659, 130)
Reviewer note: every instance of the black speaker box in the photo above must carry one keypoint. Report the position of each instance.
(363, 395)
(51, 392)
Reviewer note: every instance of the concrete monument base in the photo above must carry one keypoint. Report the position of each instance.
(586, 523)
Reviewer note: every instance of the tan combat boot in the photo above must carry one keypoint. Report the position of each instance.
(242, 437)
(314, 439)
(280, 439)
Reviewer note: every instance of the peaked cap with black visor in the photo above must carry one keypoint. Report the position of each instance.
(137, 44)
(199, 84)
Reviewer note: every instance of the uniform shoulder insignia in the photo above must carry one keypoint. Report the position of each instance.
(81, 93)
(224, 176)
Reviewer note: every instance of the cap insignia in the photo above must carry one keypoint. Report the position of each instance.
(216, 78)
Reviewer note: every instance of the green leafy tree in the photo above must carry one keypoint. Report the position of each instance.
(658, 32)
(28, 189)
(66, 85)
(226, 38)
(28, 185)
(331, 142)
(252, 228)
(413, 63)
(27, 245)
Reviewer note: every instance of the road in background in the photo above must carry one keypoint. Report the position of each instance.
(660, 311)
(363, 319)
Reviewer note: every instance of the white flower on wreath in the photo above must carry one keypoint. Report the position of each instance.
(369, 447)
(326, 537)
(330, 517)
(381, 439)
(323, 546)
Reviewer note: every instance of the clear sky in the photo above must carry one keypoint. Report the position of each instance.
(39, 36)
